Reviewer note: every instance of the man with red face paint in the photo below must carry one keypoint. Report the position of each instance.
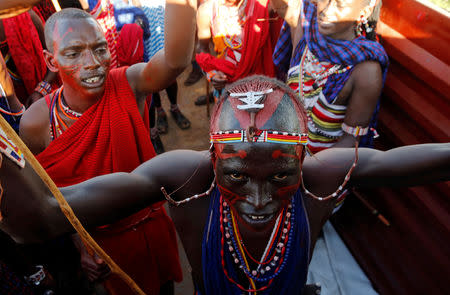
(263, 203)
(98, 124)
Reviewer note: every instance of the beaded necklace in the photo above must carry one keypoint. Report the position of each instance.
(317, 71)
(221, 269)
(275, 256)
(66, 109)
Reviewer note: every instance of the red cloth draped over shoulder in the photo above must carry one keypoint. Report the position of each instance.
(111, 136)
(256, 51)
(26, 49)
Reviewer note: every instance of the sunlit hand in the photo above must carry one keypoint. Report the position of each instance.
(219, 80)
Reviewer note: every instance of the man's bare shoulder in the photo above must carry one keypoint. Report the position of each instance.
(34, 126)
(367, 74)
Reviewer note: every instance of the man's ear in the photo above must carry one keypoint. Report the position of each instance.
(50, 61)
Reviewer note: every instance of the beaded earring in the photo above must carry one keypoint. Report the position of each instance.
(362, 25)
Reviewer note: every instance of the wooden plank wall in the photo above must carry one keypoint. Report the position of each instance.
(412, 256)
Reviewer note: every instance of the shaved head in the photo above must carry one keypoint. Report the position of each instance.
(64, 14)
(282, 109)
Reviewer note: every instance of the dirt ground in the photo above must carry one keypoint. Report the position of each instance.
(196, 138)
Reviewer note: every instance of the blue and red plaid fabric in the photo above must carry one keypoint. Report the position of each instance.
(328, 49)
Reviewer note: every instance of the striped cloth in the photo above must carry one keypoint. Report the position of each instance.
(325, 49)
(324, 118)
(154, 11)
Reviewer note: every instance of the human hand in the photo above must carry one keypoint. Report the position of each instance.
(219, 80)
(93, 266)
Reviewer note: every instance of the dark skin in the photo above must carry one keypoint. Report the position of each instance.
(262, 188)
(77, 50)
(79, 54)
(337, 19)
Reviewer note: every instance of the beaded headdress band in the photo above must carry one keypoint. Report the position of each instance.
(234, 136)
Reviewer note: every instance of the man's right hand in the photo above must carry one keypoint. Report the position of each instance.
(93, 266)
(219, 80)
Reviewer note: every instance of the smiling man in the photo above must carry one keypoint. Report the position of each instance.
(98, 123)
(251, 208)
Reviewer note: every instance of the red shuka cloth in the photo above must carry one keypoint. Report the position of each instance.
(257, 48)
(26, 49)
(111, 136)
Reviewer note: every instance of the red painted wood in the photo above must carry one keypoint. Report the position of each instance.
(411, 256)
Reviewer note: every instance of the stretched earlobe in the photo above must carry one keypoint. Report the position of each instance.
(50, 61)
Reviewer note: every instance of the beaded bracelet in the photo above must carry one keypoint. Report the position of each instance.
(36, 278)
(355, 131)
(43, 88)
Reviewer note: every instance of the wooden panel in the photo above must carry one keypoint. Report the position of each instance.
(412, 255)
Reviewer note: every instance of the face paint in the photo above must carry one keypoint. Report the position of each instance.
(229, 195)
(241, 154)
(259, 185)
(82, 57)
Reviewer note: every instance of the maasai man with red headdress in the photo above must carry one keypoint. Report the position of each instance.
(251, 208)
(243, 32)
(96, 123)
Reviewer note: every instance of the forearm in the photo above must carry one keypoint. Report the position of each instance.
(105, 199)
(404, 166)
(10, 8)
(168, 63)
(31, 214)
(8, 88)
(179, 32)
(290, 11)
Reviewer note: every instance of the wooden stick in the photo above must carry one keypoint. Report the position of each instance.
(65, 207)
(207, 97)
(372, 209)
(56, 5)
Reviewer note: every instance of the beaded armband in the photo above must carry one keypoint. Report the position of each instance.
(8, 148)
(43, 88)
(234, 136)
(355, 131)
(36, 278)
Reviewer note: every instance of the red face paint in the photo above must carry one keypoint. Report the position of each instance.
(231, 197)
(83, 60)
(241, 154)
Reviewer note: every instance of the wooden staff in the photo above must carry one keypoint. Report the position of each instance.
(56, 5)
(371, 208)
(207, 97)
(65, 207)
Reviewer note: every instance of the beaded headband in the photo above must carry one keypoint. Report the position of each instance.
(235, 136)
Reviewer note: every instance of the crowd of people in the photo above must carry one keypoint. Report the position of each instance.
(296, 86)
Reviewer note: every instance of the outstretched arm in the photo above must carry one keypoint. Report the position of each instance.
(31, 214)
(10, 8)
(167, 64)
(404, 166)
(290, 11)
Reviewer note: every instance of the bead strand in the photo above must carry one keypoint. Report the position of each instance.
(196, 196)
(340, 188)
